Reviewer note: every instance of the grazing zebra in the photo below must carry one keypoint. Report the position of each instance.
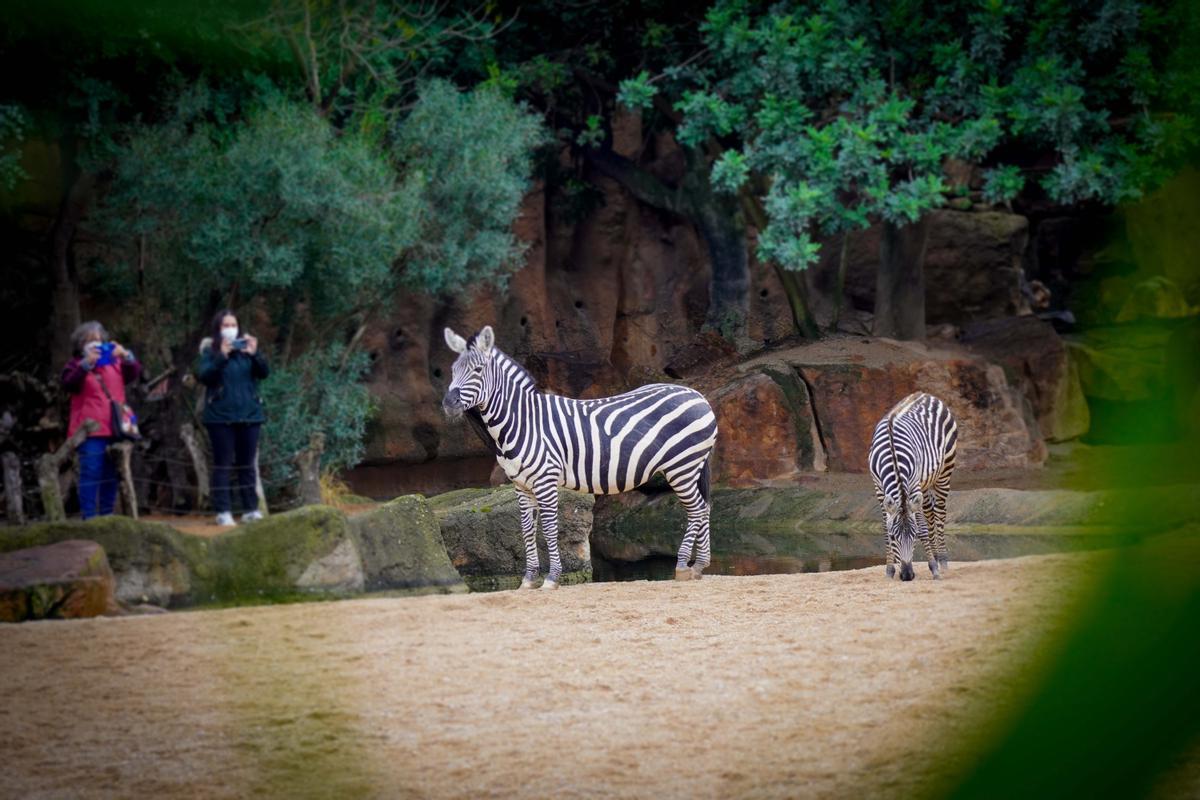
(603, 446)
(911, 459)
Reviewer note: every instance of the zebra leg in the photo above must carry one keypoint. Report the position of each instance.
(941, 490)
(889, 556)
(923, 534)
(526, 504)
(697, 532)
(547, 500)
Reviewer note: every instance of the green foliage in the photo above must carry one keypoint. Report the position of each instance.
(1002, 184)
(467, 158)
(836, 114)
(637, 93)
(12, 133)
(276, 202)
(321, 391)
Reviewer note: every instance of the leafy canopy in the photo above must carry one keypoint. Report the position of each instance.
(835, 114)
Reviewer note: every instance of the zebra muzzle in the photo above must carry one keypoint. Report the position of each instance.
(452, 404)
(906, 572)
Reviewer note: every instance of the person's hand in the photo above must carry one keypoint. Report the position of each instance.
(91, 354)
(226, 346)
(119, 351)
(251, 344)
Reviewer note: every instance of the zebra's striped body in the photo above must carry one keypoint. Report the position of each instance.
(911, 460)
(602, 446)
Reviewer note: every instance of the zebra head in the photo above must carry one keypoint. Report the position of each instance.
(470, 376)
(903, 520)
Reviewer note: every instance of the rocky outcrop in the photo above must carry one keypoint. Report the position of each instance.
(853, 382)
(152, 562)
(1036, 361)
(400, 546)
(311, 551)
(767, 431)
(482, 532)
(66, 580)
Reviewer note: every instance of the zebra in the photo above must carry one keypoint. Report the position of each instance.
(911, 460)
(603, 446)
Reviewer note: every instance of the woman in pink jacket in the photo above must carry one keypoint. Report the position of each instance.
(96, 360)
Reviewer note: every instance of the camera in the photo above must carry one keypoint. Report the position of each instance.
(239, 344)
(106, 352)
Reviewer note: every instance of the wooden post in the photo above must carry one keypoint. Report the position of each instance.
(13, 490)
(203, 489)
(47, 471)
(308, 461)
(258, 489)
(122, 453)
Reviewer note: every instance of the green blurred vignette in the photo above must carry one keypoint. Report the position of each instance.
(1112, 708)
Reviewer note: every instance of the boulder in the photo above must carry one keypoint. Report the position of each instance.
(305, 551)
(853, 382)
(66, 580)
(1122, 363)
(400, 546)
(766, 429)
(152, 562)
(1036, 361)
(482, 532)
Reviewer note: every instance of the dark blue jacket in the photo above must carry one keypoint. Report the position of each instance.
(232, 394)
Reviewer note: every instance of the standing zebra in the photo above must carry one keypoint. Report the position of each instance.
(603, 446)
(911, 459)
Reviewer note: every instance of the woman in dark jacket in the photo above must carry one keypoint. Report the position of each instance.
(231, 367)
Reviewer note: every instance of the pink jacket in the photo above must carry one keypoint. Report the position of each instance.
(88, 400)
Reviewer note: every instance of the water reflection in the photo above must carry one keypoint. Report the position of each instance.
(659, 568)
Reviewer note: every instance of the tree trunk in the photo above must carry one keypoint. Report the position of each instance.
(14, 490)
(729, 287)
(839, 290)
(900, 285)
(187, 432)
(62, 268)
(308, 462)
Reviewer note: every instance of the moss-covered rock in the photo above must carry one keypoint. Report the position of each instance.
(400, 544)
(305, 551)
(152, 562)
(65, 580)
(482, 532)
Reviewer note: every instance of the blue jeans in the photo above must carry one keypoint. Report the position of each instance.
(97, 478)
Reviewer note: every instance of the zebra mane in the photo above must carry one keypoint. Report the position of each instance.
(480, 427)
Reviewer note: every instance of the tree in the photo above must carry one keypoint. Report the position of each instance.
(260, 201)
(826, 116)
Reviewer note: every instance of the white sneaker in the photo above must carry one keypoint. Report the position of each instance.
(225, 520)
(250, 516)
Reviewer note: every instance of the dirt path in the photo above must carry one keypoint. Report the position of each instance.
(831, 684)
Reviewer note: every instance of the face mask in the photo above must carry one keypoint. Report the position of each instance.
(229, 334)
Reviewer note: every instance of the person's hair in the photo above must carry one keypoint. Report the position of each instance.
(216, 323)
(85, 332)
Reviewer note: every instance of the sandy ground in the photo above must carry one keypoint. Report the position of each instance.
(832, 684)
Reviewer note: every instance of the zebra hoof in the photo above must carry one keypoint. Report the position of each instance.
(697, 572)
(943, 563)
(891, 570)
(548, 584)
(526, 583)
(684, 574)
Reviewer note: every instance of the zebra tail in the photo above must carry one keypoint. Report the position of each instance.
(706, 479)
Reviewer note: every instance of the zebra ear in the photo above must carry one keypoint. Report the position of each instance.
(485, 339)
(455, 342)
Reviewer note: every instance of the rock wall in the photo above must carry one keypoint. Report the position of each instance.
(616, 299)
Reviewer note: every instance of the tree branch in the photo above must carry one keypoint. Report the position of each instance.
(640, 183)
